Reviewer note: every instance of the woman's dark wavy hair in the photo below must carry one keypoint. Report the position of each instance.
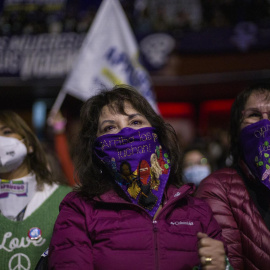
(37, 160)
(237, 117)
(94, 178)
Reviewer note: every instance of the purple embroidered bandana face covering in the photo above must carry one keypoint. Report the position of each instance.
(255, 146)
(139, 163)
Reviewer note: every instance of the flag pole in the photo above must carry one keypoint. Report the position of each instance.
(57, 104)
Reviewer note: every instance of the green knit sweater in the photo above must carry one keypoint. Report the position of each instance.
(17, 251)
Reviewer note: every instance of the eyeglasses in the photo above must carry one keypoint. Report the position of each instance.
(251, 116)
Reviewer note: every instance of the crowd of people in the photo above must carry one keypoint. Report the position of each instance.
(132, 197)
(146, 16)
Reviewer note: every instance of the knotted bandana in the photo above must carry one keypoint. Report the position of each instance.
(255, 146)
(139, 163)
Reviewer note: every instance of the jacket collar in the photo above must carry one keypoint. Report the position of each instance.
(246, 171)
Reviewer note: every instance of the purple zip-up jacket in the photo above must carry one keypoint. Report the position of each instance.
(110, 233)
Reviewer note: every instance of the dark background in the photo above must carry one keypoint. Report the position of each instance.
(221, 47)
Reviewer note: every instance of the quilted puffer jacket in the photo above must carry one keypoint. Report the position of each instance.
(243, 229)
(111, 233)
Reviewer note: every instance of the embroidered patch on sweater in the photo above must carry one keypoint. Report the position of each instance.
(19, 188)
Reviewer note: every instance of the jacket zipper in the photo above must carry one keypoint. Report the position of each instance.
(155, 230)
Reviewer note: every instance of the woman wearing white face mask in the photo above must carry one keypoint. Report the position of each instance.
(29, 194)
(195, 165)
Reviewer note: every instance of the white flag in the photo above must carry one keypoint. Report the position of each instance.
(109, 55)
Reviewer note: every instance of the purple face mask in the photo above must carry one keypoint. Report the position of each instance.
(139, 163)
(255, 146)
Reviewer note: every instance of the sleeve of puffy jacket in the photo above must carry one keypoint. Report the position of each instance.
(70, 246)
(214, 191)
(212, 228)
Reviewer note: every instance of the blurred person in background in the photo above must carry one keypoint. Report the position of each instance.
(58, 123)
(131, 210)
(219, 148)
(240, 196)
(196, 165)
(29, 194)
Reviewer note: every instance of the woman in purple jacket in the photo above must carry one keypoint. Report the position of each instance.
(131, 209)
(240, 196)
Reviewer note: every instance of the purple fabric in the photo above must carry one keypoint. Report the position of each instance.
(111, 233)
(139, 163)
(255, 146)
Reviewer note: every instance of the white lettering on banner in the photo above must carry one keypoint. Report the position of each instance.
(47, 65)
(9, 244)
(3, 42)
(39, 56)
(46, 42)
(9, 62)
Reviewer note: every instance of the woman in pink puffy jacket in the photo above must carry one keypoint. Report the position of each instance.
(240, 196)
(136, 221)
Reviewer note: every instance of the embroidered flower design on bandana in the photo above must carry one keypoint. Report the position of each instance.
(255, 146)
(139, 163)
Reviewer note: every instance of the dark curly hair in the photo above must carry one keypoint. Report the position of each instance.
(237, 117)
(94, 178)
